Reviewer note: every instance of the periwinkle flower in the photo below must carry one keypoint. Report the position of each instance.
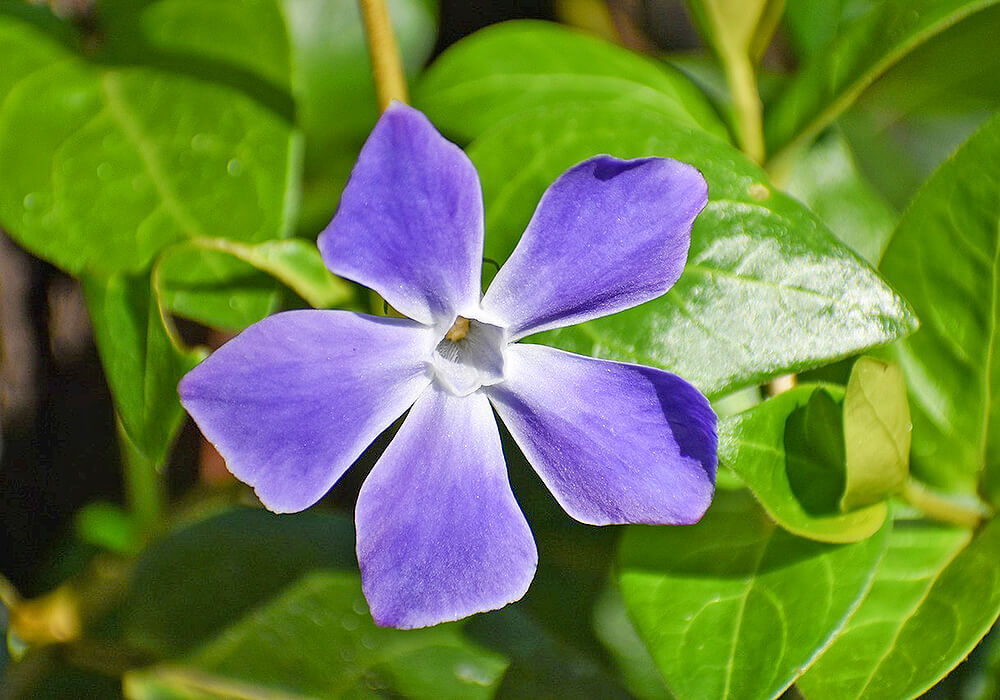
(295, 399)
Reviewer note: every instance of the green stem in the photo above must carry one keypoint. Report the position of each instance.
(965, 511)
(144, 487)
(742, 80)
(387, 66)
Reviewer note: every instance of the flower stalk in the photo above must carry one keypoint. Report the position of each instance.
(387, 66)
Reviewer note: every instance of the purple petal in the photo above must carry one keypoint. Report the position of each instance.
(440, 535)
(410, 222)
(614, 443)
(293, 400)
(608, 234)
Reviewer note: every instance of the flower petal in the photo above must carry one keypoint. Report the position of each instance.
(410, 221)
(607, 235)
(293, 400)
(614, 443)
(440, 535)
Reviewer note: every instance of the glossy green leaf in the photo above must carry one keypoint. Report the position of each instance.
(876, 433)
(140, 362)
(778, 450)
(944, 258)
(767, 288)
(735, 607)
(115, 163)
(515, 67)
(187, 587)
(828, 181)
(865, 48)
(317, 640)
(935, 596)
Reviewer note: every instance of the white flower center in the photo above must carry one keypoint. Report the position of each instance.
(469, 356)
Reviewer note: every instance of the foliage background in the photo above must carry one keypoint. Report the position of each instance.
(161, 155)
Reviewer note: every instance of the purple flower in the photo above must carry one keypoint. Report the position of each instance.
(295, 399)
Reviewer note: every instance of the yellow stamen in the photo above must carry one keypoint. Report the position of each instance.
(458, 330)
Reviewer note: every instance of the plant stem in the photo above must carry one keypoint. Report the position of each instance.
(387, 67)
(746, 102)
(965, 511)
(144, 486)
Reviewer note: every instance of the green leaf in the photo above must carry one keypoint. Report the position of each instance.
(876, 433)
(115, 163)
(317, 640)
(767, 288)
(510, 68)
(924, 107)
(945, 257)
(865, 48)
(935, 596)
(247, 35)
(205, 576)
(826, 179)
(140, 362)
(736, 607)
(810, 25)
(214, 288)
(777, 448)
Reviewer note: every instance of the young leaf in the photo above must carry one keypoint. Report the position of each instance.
(735, 607)
(140, 361)
(864, 50)
(876, 433)
(766, 288)
(317, 640)
(515, 67)
(205, 576)
(945, 257)
(934, 597)
(778, 450)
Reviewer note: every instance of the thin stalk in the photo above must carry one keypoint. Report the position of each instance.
(144, 487)
(742, 82)
(387, 66)
(963, 511)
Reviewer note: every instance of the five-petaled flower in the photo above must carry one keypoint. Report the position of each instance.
(295, 399)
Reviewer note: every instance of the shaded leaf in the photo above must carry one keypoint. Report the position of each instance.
(865, 48)
(736, 607)
(205, 576)
(140, 362)
(780, 456)
(317, 640)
